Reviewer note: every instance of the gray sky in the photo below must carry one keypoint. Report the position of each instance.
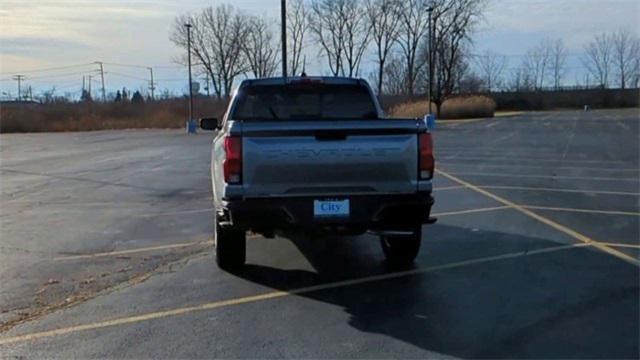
(51, 33)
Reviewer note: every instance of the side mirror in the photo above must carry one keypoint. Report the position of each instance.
(210, 124)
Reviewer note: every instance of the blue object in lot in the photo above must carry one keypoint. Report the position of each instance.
(430, 120)
(192, 126)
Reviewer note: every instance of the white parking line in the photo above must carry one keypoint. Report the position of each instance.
(596, 178)
(588, 211)
(521, 159)
(547, 167)
(587, 191)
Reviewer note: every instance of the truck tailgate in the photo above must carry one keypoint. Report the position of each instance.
(325, 158)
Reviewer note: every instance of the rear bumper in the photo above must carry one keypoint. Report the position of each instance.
(379, 211)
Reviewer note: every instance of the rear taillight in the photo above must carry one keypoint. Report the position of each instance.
(427, 162)
(233, 160)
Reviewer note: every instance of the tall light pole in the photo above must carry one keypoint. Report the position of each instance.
(152, 85)
(429, 52)
(283, 20)
(188, 26)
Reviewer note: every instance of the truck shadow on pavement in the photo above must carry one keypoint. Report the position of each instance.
(571, 303)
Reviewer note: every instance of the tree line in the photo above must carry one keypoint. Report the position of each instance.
(227, 43)
(610, 59)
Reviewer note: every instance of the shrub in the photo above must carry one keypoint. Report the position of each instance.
(454, 108)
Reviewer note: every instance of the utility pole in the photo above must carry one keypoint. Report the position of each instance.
(188, 26)
(429, 52)
(152, 86)
(104, 94)
(89, 90)
(283, 17)
(19, 78)
(207, 79)
(83, 87)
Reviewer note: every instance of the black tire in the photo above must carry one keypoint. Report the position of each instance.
(402, 249)
(231, 247)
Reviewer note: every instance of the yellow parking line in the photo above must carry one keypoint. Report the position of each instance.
(470, 211)
(141, 250)
(574, 234)
(588, 211)
(132, 251)
(181, 212)
(272, 295)
(461, 121)
(500, 187)
(445, 188)
(633, 246)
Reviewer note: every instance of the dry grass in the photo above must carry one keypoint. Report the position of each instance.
(454, 108)
(173, 113)
(98, 116)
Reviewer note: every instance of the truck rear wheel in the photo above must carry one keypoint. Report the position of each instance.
(402, 249)
(231, 247)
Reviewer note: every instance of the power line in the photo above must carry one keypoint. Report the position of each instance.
(126, 65)
(516, 55)
(170, 79)
(124, 75)
(59, 75)
(49, 69)
(169, 66)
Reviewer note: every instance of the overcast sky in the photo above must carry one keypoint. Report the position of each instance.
(50, 33)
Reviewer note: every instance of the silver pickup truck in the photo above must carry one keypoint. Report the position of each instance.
(317, 153)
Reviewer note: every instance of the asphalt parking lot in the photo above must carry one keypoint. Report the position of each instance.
(105, 251)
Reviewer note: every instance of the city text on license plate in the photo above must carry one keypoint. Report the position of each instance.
(328, 208)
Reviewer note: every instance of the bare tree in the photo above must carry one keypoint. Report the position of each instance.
(357, 28)
(297, 28)
(384, 30)
(521, 80)
(491, 66)
(260, 49)
(598, 58)
(342, 32)
(200, 45)
(414, 26)
(395, 76)
(470, 83)
(635, 78)
(537, 62)
(558, 58)
(626, 50)
(327, 23)
(217, 37)
(454, 22)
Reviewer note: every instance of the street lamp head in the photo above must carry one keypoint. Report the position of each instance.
(188, 25)
(430, 9)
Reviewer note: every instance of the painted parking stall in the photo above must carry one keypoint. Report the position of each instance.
(543, 265)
